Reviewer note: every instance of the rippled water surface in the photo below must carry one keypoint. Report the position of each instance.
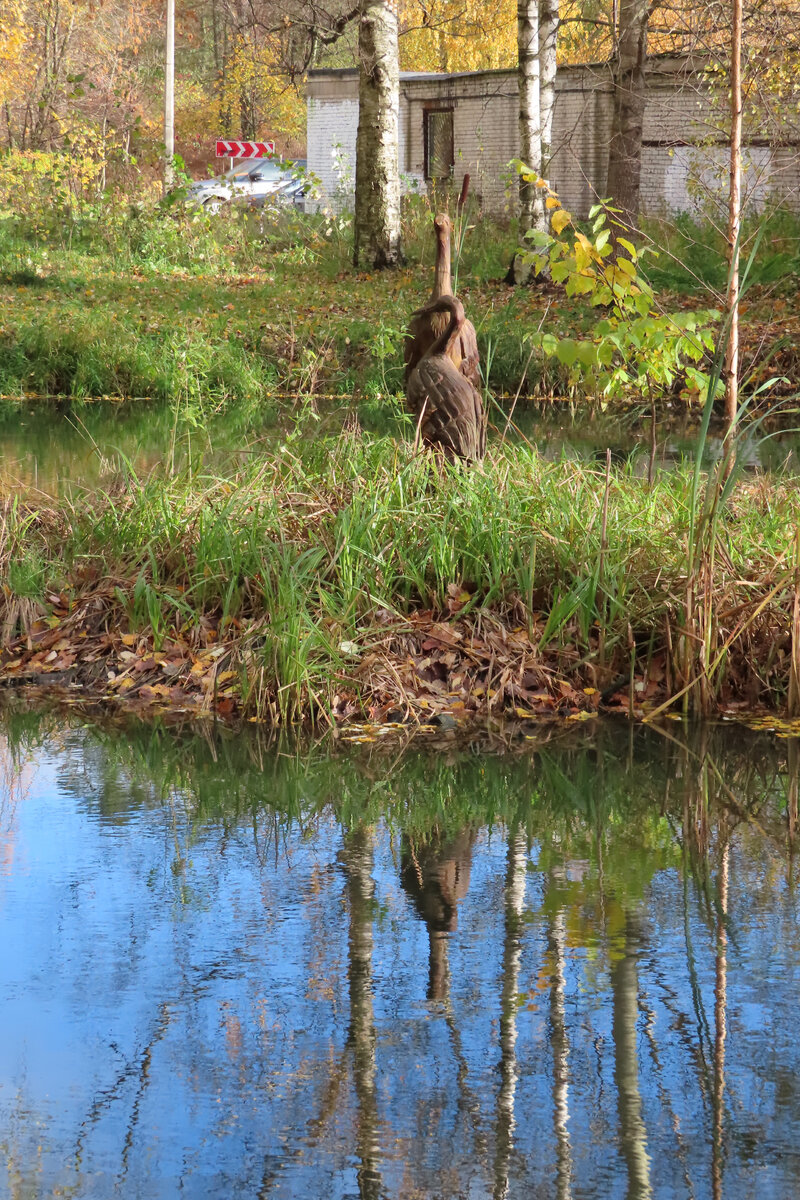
(561, 967)
(64, 452)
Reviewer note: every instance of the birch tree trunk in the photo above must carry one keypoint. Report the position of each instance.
(169, 101)
(357, 856)
(548, 67)
(625, 150)
(377, 209)
(531, 203)
(530, 124)
(632, 1131)
(512, 951)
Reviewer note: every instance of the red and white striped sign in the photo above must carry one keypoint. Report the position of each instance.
(245, 149)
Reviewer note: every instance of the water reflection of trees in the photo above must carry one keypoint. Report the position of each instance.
(596, 821)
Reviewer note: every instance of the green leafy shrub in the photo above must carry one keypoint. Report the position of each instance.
(634, 347)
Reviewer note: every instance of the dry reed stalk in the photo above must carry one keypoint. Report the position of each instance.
(517, 394)
(417, 435)
(729, 641)
(690, 628)
(793, 704)
(601, 566)
(707, 631)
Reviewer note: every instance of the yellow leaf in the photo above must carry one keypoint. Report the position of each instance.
(560, 220)
(552, 202)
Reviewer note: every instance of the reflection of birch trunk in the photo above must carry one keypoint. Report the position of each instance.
(357, 859)
(792, 792)
(514, 900)
(633, 1135)
(720, 1002)
(557, 945)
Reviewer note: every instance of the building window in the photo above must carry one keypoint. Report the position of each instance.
(439, 147)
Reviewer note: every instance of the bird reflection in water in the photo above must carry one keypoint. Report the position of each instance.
(435, 873)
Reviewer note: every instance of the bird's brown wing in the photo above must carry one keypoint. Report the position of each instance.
(418, 339)
(467, 343)
(451, 409)
(423, 330)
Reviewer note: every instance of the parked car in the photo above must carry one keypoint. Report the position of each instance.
(291, 193)
(249, 182)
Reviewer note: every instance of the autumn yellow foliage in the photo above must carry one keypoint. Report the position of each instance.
(457, 35)
(14, 65)
(470, 35)
(255, 101)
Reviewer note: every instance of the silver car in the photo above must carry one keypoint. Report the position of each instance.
(249, 182)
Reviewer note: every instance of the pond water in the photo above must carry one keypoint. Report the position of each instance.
(57, 452)
(554, 966)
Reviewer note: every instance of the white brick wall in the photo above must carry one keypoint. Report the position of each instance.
(332, 126)
(675, 175)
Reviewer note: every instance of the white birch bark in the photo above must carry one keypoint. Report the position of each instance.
(632, 1129)
(512, 951)
(376, 223)
(357, 856)
(169, 101)
(530, 124)
(548, 39)
(537, 23)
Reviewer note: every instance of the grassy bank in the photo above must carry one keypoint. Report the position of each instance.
(344, 577)
(205, 312)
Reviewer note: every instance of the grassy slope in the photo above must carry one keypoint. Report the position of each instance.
(202, 314)
(98, 321)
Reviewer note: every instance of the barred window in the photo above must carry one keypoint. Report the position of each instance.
(439, 148)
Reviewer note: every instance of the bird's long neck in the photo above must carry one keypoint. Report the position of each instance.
(453, 326)
(442, 283)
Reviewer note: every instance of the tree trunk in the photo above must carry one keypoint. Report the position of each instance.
(377, 210)
(512, 951)
(357, 856)
(169, 100)
(530, 125)
(625, 150)
(559, 1040)
(632, 1131)
(531, 202)
(548, 67)
(734, 222)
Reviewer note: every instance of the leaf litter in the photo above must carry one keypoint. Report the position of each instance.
(424, 668)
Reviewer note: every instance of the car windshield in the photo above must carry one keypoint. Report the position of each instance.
(267, 169)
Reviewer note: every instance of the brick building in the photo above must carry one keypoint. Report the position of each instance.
(468, 123)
